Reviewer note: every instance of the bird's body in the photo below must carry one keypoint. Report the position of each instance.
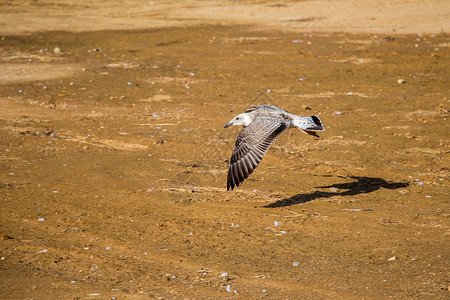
(263, 124)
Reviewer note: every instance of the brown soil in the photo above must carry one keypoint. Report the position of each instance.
(113, 156)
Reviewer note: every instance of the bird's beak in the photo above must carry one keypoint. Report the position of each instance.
(227, 125)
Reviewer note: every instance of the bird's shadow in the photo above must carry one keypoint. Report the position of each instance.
(360, 185)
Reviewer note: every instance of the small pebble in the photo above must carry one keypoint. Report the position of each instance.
(392, 258)
(403, 192)
(275, 223)
(295, 263)
(401, 81)
(228, 288)
(41, 219)
(56, 50)
(224, 274)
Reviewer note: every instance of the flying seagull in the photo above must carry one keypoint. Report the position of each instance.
(262, 126)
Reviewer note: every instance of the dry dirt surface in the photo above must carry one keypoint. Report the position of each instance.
(113, 155)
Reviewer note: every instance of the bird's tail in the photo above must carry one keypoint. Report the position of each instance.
(308, 124)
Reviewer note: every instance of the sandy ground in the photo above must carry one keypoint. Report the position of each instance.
(386, 16)
(113, 157)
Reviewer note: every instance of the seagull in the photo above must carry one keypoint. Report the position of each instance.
(262, 126)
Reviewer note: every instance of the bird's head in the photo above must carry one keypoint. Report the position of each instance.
(241, 119)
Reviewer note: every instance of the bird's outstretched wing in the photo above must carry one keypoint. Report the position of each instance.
(251, 145)
(266, 106)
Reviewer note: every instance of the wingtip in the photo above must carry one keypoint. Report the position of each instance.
(231, 185)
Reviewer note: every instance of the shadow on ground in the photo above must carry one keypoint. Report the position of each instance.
(360, 185)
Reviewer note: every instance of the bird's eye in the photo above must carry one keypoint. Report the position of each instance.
(237, 118)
